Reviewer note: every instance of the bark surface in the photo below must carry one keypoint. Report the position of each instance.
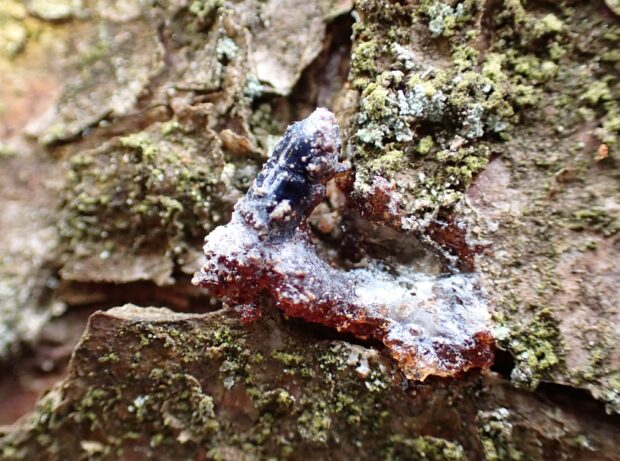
(483, 136)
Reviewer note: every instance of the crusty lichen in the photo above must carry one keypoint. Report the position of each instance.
(495, 430)
(190, 386)
(461, 106)
(537, 347)
(151, 188)
(164, 404)
(547, 105)
(426, 448)
(13, 32)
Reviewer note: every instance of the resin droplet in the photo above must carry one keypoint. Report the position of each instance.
(430, 325)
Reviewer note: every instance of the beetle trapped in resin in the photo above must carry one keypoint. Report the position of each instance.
(430, 325)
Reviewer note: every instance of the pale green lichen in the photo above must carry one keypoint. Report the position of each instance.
(13, 32)
(597, 219)
(442, 17)
(423, 448)
(204, 8)
(471, 103)
(152, 187)
(496, 433)
(537, 347)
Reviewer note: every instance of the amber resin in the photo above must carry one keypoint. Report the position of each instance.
(430, 325)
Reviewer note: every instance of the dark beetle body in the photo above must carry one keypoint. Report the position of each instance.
(292, 182)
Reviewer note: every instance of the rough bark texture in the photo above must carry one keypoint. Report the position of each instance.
(129, 129)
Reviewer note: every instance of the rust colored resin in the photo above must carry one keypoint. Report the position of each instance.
(430, 325)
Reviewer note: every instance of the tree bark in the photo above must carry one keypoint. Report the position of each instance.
(483, 138)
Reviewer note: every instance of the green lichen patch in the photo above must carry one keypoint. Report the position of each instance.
(445, 89)
(188, 386)
(446, 115)
(496, 432)
(444, 104)
(156, 188)
(426, 448)
(537, 347)
(597, 219)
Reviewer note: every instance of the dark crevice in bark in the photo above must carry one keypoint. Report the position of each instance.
(181, 296)
(320, 82)
(325, 77)
(504, 363)
(579, 401)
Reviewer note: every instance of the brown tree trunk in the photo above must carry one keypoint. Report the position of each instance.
(483, 138)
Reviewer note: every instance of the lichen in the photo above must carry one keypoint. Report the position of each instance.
(495, 430)
(54, 10)
(423, 448)
(162, 405)
(469, 100)
(596, 218)
(13, 32)
(537, 347)
(552, 119)
(152, 187)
